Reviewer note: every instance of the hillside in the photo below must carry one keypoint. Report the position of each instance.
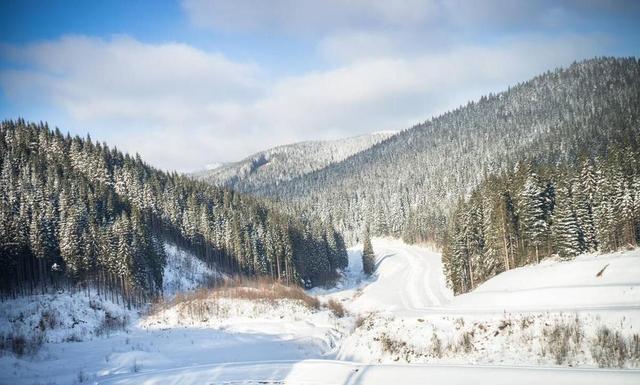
(283, 163)
(74, 213)
(408, 185)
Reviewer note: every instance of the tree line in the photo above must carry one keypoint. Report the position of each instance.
(75, 212)
(537, 210)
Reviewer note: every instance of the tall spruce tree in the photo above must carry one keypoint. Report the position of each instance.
(368, 255)
(566, 232)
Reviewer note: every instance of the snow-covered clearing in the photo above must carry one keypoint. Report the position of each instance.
(526, 326)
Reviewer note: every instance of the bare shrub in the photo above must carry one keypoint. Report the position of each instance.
(562, 340)
(392, 345)
(336, 308)
(111, 323)
(634, 349)
(137, 366)
(21, 345)
(48, 320)
(82, 377)
(465, 342)
(436, 345)
(359, 322)
(206, 303)
(609, 349)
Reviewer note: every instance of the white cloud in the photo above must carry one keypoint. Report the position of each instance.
(183, 108)
(306, 16)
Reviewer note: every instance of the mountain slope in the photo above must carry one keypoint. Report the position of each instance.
(408, 184)
(75, 212)
(284, 163)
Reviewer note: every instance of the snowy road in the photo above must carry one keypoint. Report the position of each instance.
(327, 372)
(408, 280)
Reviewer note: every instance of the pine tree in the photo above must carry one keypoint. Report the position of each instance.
(532, 214)
(566, 232)
(368, 255)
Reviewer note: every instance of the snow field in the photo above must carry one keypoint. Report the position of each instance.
(550, 314)
(403, 325)
(328, 372)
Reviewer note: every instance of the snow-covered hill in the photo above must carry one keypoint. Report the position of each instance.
(528, 325)
(591, 281)
(286, 162)
(555, 313)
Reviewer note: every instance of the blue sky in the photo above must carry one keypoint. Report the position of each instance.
(192, 82)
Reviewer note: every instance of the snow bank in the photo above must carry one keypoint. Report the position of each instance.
(540, 339)
(286, 318)
(554, 313)
(555, 284)
(62, 317)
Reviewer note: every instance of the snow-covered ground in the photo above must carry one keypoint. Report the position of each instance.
(534, 315)
(528, 325)
(556, 285)
(184, 271)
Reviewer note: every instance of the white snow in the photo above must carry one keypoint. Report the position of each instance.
(61, 317)
(556, 285)
(507, 320)
(184, 271)
(341, 373)
(497, 334)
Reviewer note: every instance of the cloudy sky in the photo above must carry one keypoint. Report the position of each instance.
(194, 82)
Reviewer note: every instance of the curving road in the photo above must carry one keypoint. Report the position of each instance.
(408, 279)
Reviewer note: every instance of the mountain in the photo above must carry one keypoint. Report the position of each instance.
(283, 163)
(78, 213)
(409, 184)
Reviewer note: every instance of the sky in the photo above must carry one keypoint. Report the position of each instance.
(190, 83)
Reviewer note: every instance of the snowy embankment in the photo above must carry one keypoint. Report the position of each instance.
(269, 309)
(61, 317)
(558, 285)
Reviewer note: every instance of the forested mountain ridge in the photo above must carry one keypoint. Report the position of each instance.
(537, 210)
(77, 212)
(408, 185)
(283, 163)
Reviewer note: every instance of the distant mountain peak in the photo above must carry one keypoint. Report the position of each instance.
(289, 161)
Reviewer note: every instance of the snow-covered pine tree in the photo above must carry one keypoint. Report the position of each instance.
(585, 185)
(532, 213)
(368, 255)
(565, 229)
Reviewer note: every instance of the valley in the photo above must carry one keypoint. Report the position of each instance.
(342, 192)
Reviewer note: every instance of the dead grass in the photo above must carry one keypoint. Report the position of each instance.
(562, 340)
(262, 290)
(609, 348)
(336, 308)
(111, 323)
(20, 344)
